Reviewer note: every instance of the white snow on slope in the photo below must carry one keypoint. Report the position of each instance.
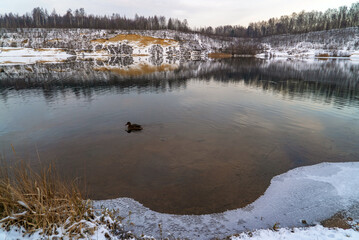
(333, 43)
(18, 234)
(311, 193)
(101, 227)
(312, 233)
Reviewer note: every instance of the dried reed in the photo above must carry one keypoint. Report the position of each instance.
(34, 201)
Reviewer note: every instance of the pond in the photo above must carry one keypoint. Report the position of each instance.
(215, 132)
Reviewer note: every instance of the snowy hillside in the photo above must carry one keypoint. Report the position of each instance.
(110, 42)
(175, 44)
(333, 43)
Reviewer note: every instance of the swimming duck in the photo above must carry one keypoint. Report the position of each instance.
(133, 127)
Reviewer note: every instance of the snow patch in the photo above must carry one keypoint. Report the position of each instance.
(14, 56)
(317, 232)
(311, 193)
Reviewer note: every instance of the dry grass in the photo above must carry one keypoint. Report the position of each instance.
(10, 50)
(5, 62)
(219, 55)
(41, 201)
(55, 40)
(336, 221)
(48, 49)
(143, 41)
(43, 61)
(323, 55)
(139, 70)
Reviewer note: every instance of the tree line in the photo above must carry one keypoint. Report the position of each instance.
(40, 18)
(295, 23)
(302, 22)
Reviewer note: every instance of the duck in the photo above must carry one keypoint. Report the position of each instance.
(133, 127)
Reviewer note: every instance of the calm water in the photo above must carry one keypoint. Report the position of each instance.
(215, 133)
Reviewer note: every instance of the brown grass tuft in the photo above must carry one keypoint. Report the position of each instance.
(336, 221)
(9, 50)
(42, 200)
(323, 55)
(220, 55)
(6, 62)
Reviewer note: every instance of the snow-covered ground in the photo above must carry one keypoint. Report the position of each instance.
(323, 44)
(312, 233)
(302, 50)
(311, 193)
(20, 234)
(14, 56)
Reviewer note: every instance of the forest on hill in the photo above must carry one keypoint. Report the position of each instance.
(302, 22)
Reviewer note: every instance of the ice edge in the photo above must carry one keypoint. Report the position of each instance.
(310, 193)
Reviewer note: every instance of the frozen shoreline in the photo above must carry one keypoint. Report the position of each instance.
(16, 56)
(311, 193)
(23, 56)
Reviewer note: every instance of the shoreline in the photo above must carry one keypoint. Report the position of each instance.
(24, 56)
(302, 195)
(292, 207)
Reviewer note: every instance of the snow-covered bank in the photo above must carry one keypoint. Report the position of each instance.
(100, 232)
(311, 193)
(14, 56)
(311, 233)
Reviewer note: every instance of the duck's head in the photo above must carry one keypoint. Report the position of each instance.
(128, 124)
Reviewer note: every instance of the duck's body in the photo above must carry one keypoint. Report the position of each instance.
(133, 127)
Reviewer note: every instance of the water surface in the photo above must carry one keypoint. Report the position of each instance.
(215, 132)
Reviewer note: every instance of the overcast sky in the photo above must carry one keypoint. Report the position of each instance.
(197, 12)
